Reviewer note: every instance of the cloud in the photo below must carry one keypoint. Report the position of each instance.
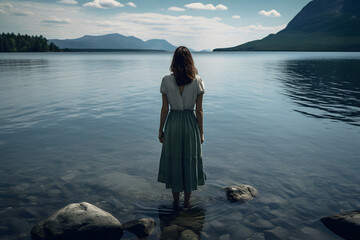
(201, 6)
(197, 32)
(18, 12)
(259, 27)
(131, 4)
(6, 6)
(57, 20)
(9, 8)
(176, 9)
(271, 13)
(105, 4)
(236, 17)
(70, 2)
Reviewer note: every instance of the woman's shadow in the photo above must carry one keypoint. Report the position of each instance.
(176, 221)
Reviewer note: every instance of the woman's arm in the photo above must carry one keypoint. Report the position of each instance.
(163, 115)
(199, 115)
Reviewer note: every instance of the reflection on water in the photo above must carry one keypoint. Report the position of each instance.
(325, 89)
(177, 221)
(16, 64)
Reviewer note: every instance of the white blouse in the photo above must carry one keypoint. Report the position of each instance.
(186, 100)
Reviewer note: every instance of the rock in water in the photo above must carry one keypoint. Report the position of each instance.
(346, 225)
(142, 227)
(240, 193)
(188, 235)
(78, 221)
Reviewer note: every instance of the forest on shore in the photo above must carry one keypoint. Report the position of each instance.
(10, 42)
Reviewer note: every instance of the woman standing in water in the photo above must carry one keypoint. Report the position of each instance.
(181, 167)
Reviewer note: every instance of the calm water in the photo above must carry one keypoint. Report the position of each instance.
(83, 127)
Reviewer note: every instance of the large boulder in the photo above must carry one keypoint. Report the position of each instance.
(240, 193)
(78, 221)
(346, 225)
(142, 227)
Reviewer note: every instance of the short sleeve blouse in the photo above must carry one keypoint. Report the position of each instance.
(186, 100)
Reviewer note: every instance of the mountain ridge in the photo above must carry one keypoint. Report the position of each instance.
(322, 25)
(113, 41)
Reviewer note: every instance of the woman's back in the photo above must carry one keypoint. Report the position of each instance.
(185, 100)
(181, 167)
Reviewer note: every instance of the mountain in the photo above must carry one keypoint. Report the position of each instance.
(322, 25)
(113, 41)
(159, 44)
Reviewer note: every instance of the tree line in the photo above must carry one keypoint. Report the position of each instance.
(10, 42)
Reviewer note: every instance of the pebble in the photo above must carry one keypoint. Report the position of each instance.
(277, 233)
(258, 236)
(239, 231)
(216, 224)
(170, 232)
(68, 177)
(263, 224)
(313, 233)
(204, 235)
(188, 235)
(225, 237)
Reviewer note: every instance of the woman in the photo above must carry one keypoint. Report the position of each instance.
(181, 167)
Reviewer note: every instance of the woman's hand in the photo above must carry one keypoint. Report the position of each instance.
(161, 136)
(202, 139)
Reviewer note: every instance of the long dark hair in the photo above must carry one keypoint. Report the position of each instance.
(182, 66)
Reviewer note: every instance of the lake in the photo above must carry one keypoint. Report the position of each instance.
(83, 127)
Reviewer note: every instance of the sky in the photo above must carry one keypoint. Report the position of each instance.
(196, 24)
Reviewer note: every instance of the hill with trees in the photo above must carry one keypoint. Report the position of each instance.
(10, 42)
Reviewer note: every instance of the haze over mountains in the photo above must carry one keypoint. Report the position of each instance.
(322, 25)
(113, 41)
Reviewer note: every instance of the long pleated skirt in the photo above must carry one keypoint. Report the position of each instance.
(181, 166)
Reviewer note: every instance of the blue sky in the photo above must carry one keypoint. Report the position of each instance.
(196, 24)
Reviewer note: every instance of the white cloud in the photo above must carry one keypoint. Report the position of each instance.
(201, 6)
(197, 32)
(71, 2)
(176, 9)
(6, 6)
(271, 13)
(19, 12)
(194, 31)
(103, 4)
(131, 4)
(236, 17)
(9, 8)
(259, 27)
(57, 20)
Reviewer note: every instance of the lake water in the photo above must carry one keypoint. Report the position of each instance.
(83, 127)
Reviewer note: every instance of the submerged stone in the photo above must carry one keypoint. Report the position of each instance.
(188, 235)
(278, 233)
(240, 193)
(142, 227)
(172, 231)
(346, 225)
(78, 221)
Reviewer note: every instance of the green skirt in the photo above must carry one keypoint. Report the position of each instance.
(181, 166)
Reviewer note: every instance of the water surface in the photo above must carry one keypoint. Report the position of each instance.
(83, 127)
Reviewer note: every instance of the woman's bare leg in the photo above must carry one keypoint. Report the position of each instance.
(176, 196)
(187, 199)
